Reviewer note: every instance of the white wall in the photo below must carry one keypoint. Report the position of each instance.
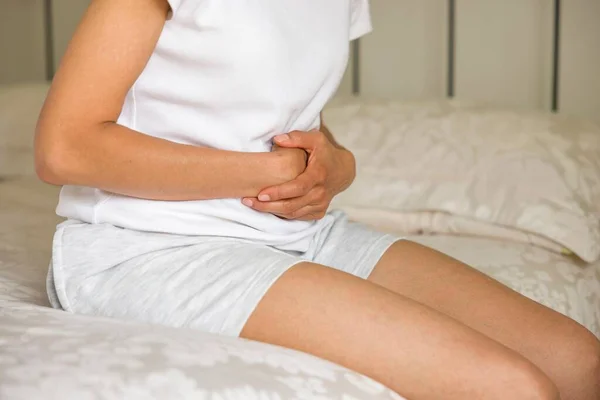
(503, 53)
(580, 61)
(22, 36)
(409, 40)
(67, 14)
(22, 53)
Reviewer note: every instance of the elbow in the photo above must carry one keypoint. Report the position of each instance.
(48, 172)
(52, 163)
(49, 167)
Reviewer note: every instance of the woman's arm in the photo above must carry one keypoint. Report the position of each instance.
(78, 141)
(330, 170)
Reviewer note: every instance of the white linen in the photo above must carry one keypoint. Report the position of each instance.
(559, 281)
(48, 354)
(533, 173)
(51, 355)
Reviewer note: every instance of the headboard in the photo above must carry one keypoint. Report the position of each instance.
(451, 54)
(536, 54)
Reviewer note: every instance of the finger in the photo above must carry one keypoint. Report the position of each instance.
(298, 139)
(298, 187)
(282, 207)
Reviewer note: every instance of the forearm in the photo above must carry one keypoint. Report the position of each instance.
(120, 160)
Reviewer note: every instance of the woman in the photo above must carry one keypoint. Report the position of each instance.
(160, 124)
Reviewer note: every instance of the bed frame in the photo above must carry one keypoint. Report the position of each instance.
(451, 56)
(355, 61)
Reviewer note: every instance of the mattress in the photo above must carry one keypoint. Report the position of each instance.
(559, 281)
(50, 354)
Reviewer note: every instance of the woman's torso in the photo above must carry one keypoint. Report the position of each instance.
(230, 75)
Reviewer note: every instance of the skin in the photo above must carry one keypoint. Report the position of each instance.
(422, 314)
(78, 141)
(329, 171)
(556, 355)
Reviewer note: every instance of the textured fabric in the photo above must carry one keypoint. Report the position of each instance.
(47, 354)
(564, 283)
(230, 75)
(559, 281)
(432, 222)
(536, 173)
(360, 19)
(174, 4)
(50, 355)
(207, 283)
(53, 355)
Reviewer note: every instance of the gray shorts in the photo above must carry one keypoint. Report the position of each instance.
(207, 283)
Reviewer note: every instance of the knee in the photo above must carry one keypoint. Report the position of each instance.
(579, 350)
(590, 351)
(573, 360)
(529, 382)
(582, 355)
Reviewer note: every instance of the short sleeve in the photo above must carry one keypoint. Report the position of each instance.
(360, 18)
(174, 6)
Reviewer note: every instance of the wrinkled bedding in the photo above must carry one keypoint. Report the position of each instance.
(534, 174)
(49, 354)
(560, 281)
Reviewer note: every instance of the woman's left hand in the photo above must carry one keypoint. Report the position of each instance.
(329, 171)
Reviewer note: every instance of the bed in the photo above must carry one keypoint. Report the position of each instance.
(417, 177)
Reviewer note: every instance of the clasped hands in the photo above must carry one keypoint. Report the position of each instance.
(329, 170)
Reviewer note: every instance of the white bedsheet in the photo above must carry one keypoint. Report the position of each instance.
(49, 354)
(561, 282)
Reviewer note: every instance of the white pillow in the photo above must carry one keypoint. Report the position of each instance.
(536, 174)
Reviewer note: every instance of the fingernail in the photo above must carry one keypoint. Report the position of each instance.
(247, 202)
(282, 138)
(264, 197)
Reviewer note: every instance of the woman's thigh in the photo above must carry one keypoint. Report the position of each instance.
(413, 349)
(565, 350)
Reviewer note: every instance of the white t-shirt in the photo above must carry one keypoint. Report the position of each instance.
(230, 75)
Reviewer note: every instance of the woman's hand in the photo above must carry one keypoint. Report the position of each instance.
(329, 171)
(290, 164)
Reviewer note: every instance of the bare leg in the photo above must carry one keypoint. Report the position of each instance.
(567, 352)
(413, 349)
